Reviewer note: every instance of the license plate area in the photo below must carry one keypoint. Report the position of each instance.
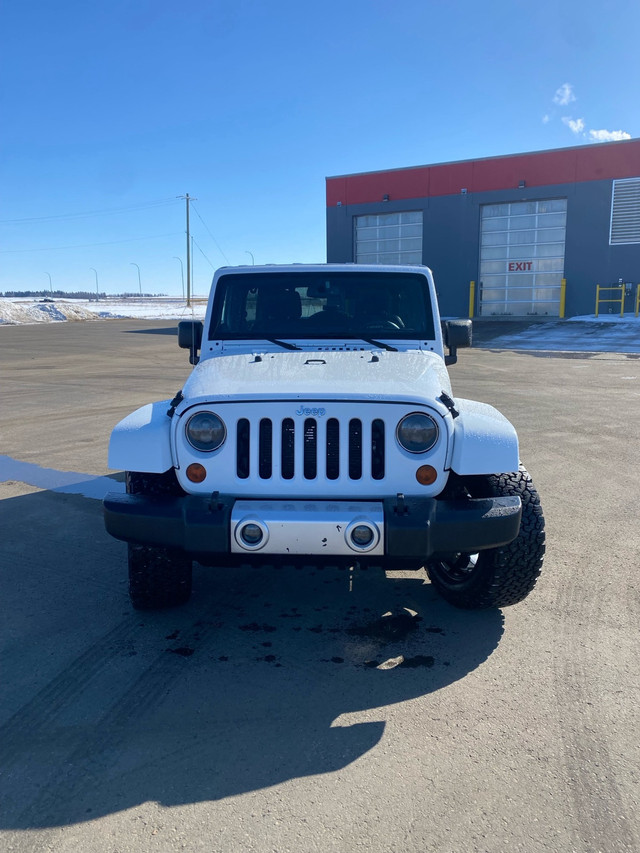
(308, 527)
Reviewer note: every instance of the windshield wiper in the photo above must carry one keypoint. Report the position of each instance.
(280, 343)
(380, 344)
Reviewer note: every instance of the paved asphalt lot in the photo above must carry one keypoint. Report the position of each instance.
(249, 719)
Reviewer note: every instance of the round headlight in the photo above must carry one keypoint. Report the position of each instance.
(205, 431)
(417, 433)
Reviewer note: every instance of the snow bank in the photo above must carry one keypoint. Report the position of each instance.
(15, 312)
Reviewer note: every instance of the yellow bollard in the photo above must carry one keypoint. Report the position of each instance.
(597, 298)
(472, 298)
(563, 297)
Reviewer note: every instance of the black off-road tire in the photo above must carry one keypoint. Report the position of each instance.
(158, 577)
(497, 577)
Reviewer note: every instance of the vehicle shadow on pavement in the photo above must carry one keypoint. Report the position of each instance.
(164, 330)
(267, 675)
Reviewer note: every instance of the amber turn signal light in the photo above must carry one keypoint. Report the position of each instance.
(426, 475)
(196, 472)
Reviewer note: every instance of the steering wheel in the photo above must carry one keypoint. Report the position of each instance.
(327, 317)
(382, 324)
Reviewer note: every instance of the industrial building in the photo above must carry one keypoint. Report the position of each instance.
(523, 235)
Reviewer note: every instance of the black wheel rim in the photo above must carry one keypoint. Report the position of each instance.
(457, 569)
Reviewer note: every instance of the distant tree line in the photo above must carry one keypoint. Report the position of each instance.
(77, 294)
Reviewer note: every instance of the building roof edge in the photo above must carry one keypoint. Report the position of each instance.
(589, 145)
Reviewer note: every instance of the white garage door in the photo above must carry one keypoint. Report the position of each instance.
(389, 238)
(522, 257)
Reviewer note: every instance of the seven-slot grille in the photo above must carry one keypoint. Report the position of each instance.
(310, 448)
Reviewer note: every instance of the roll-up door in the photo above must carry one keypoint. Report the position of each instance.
(389, 238)
(522, 258)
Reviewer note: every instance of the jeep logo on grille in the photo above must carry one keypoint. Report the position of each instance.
(317, 413)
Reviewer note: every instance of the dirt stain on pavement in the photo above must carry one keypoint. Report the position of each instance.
(388, 628)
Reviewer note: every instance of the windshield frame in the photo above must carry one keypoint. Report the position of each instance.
(399, 288)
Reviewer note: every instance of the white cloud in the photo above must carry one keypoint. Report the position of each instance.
(608, 135)
(564, 95)
(576, 125)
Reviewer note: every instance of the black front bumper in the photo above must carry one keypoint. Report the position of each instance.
(415, 529)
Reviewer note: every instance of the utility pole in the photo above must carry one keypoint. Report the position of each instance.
(188, 198)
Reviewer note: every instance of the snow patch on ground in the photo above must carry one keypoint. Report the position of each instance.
(160, 309)
(576, 334)
(605, 318)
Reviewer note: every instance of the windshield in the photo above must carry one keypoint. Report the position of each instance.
(311, 305)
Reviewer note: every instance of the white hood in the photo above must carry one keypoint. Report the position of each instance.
(414, 376)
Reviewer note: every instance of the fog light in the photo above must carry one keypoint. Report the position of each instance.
(251, 534)
(196, 472)
(426, 475)
(362, 535)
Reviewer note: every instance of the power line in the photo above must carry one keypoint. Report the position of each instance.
(103, 212)
(88, 245)
(202, 253)
(211, 235)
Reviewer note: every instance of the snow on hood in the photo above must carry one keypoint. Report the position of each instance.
(363, 374)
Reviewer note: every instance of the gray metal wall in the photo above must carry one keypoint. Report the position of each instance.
(452, 232)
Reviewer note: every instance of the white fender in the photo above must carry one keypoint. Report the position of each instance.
(141, 442)
(484, 441)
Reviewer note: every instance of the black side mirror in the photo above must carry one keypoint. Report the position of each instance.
(456, 333)
(190, 337)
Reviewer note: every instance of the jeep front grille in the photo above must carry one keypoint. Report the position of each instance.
(317, 450)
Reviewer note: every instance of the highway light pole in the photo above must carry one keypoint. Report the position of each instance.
(247, 252)
(181, 272)
(134, 264)
(50, 285)
(97, 291)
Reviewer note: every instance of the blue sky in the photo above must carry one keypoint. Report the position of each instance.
(109, 112)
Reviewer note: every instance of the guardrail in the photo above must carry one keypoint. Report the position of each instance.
(615, 299)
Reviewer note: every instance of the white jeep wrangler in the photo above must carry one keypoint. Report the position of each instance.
(319, 426)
